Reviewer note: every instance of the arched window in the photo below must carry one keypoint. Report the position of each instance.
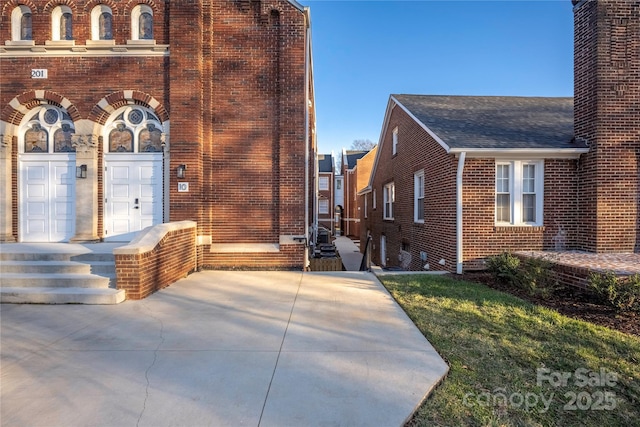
(61, 23)
(134, 130)
(49, 129)
(101, 23)
(21, 24)
(142, 23)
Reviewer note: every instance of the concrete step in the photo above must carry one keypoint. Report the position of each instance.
(56, 256)
(71, 295)
(54, 280)
(64, 267)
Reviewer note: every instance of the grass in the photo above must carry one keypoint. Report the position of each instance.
(508, 358)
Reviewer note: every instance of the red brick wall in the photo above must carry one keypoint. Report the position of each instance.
(416, 151)
(607, 101)
(437, 236)
(173, 258)
(483, 238)
(234, 91)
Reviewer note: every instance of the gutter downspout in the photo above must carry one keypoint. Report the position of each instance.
(459, 228)
(307, 53)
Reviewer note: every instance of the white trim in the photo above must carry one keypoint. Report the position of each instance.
(96, 12)
(416, 193)
(394, 141)
(521, 153)
(135, 22)
(56, 17)
(459, 213)
(389, 187)
(93, 48)
(516, 192)
(16, 23)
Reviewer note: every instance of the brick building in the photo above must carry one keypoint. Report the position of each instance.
(457, 179)
(119, 115)
(326, 198)
(350, 211)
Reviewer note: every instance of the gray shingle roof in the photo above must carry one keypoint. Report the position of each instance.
(353, 156)
(496, 122)
(325, 163)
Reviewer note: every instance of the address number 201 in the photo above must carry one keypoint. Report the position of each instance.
(39, 73)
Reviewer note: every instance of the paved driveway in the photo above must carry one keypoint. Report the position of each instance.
(219, 348)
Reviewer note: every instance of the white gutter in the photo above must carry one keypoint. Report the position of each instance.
(459, 228)
(307, 68)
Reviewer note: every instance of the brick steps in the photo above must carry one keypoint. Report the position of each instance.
(58, 278)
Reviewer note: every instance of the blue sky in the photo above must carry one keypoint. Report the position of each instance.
(363, 51)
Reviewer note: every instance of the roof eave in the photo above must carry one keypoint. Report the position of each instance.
(547, 153)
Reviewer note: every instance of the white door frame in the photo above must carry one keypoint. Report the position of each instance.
(58, 200)
(142, 205)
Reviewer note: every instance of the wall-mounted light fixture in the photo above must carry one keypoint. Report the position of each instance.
(81, 171)
(181, 172)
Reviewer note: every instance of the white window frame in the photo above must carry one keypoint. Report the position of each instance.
(16, 24)
(96, 12)
(366, 205)
(323, 206)
(56, 17)
(394, 150)
(516, 191)
(418, 196)
(135, 21)
(323, 183)
(388, 199)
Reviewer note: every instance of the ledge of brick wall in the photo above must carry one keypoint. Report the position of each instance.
(157, 257)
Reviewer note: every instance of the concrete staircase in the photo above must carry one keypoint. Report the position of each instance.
(58, 277)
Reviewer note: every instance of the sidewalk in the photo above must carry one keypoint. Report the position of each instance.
(220, 348)
(349, 252)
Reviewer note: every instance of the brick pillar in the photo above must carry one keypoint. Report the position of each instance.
(186, 101)
(607, 101)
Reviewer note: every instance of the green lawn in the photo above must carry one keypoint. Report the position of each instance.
(517, 364)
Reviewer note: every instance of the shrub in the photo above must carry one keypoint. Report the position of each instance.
(536, 275)
(533, 274)
(620, 293)
(504, 267)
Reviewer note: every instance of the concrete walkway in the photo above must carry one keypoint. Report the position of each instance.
(349, 252)
(219, 348)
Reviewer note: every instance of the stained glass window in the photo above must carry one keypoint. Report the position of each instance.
(25, 27)
(66, 27)
(105, 23)
(145, 26)
(62, 140)
(36, 140)
(150, 140)
(121, 140)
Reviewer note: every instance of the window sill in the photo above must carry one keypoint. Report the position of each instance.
(518, 228)
(61, 43)
(20, 43)
(419, 222)
(142, 42)
(90, 43)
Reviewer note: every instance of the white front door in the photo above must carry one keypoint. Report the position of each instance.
(47, 199)
(133, 195)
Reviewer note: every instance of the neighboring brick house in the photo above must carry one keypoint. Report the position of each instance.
(457, 178)
(326, 199)
(350, 211)
(119, 115)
